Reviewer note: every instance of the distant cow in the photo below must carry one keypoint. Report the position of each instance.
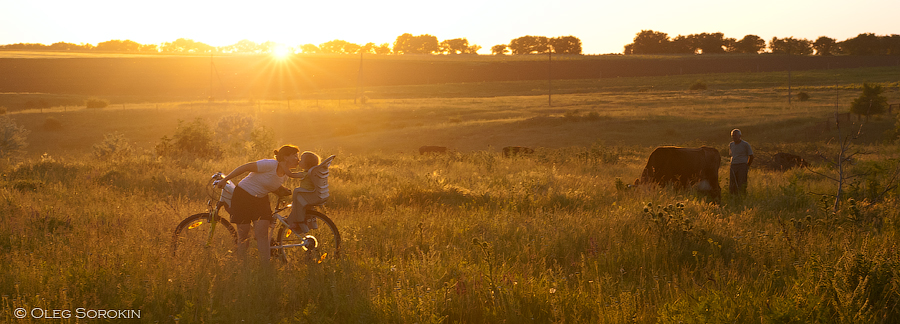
(432, 149)
(684, 167)
(516, 150)
(785, 161)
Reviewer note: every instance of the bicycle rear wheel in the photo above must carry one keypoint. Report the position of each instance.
(315, 246)
(195, 239)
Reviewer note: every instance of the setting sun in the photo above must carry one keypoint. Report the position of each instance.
(282, 51)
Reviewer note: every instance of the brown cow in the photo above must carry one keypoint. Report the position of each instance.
(516, 150)
(432, 149)
(684, 167)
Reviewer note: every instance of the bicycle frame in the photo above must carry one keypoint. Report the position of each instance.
(283, 221)
(214, 212)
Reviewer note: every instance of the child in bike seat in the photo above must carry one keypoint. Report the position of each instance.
(304, 195)
(250, 203)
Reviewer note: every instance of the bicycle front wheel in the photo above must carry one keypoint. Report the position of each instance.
(196, 239)
(315, 246)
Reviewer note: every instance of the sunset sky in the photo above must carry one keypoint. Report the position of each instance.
(603, 26)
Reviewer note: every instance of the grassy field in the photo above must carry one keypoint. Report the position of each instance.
(471, 236)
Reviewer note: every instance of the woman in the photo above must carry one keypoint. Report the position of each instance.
(250, 203)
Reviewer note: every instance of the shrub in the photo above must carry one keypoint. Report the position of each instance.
(262, 140)
(870, 102)
(802, 96)
(52, 124)
(96, 103)
(193, 140)
(113, 144)
(698, 85)
(12, 137)
(234, 132)
(3, 110)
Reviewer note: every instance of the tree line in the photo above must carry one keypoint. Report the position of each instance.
(645, 42)
(404, 44)
(654, 42)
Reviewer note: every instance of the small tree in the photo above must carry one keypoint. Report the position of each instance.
(12, 138)
(113, 145)
(194, 140)
(499, 49)
(870, 101)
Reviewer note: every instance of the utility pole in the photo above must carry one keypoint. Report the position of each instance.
(549, 76)
(359, 78)
(789, 74)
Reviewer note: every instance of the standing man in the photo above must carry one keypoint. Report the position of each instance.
(741, 158)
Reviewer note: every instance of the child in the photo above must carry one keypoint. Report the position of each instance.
(304, 195)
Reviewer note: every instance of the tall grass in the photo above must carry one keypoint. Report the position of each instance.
(471, 237)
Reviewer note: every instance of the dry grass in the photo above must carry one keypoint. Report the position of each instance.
(468, 236)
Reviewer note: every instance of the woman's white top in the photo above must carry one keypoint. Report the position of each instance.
(264, 180)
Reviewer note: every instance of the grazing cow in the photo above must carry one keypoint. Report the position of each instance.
(516, 150)
(432, 149)
(785, 161)
(684, 167)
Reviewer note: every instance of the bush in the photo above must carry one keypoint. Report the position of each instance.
(12, 138)
(698, 85)
(113, 144)
(234, 132)
(52, 124)
(3, 110)
(96, 103)
(802, 96)
(193, 140)
(870, 102)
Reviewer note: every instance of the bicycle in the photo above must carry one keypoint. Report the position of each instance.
(210, 234)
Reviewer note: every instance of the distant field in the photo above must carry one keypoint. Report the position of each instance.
(160, 78)
(642, 111)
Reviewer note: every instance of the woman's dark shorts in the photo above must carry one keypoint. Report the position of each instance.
(245, 208)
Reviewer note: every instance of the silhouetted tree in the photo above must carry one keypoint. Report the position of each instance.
(63, 46)
(149, 48)
(183, 45)
(25, 46)
(750, 44)
(454, 46)
(409, 44)
(824, 46)
(118, 46)
(870, 102)
(650, 42)
(383, 49)
(681, 45)
(529, 44)
(709, 43)
(891, 44)
(791, 46)
(243, 46)
(368, 48)
(499, 49)
(338, 46)
(863, 44)
(309, 49)
(566, 45)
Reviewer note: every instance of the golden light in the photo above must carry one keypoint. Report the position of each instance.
(281, 51)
